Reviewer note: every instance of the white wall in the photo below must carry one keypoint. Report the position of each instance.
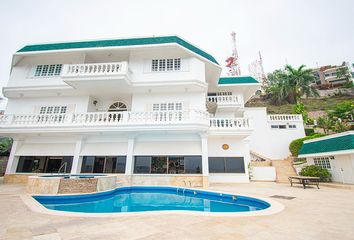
(144, 101)
(342, 168)
(140, 65)
(271, 143)
(77, 104)
(263, 174)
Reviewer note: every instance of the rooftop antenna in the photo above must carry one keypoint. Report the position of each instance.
(232, 63)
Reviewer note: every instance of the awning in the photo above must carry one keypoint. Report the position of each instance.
(104, 149)
(167, 148)
(46, 149)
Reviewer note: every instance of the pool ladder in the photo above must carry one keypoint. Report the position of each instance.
(64, 165)
(185, 183)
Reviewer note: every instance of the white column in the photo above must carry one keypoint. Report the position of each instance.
(130, 160)
(205, 160)
(13, 160)
(247, 156)
(77, 160)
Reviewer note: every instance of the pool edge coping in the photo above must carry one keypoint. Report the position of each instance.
(275, 207)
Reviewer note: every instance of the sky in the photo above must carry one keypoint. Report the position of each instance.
(310, 32)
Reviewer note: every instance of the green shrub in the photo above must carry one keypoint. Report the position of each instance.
(309, 131)
(296, 145)
(316, 171)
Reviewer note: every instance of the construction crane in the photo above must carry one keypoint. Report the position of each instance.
(232, 63)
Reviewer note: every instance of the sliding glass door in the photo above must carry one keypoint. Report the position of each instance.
(103, 164)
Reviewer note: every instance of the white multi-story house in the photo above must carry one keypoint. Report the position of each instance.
(151, 110)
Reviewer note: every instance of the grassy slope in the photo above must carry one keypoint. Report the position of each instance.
(319, 104)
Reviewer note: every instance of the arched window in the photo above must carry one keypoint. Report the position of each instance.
(117, 107)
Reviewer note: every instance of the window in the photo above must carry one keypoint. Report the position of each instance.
(48, 70)
(103, 164)
(323, 162)
(226, 165)
(117, 107)
(162, 65)
(53, 109)
(292, 126)
(44, 164)
(167, 107)
(168, 164)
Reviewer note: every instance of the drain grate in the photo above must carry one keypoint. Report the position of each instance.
(282, 197)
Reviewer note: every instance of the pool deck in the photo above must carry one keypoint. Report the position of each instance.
(326, 213)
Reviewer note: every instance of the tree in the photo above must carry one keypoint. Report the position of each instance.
(325, 123)
(299, 108)
(343, 111)
(290, 84)
(5, 146)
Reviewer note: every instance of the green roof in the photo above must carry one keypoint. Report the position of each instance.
(237, 80)
(339, 143)
(118, 42)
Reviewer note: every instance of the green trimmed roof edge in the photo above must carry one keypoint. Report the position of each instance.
(237, 80)
(118, 42)
(340, 143)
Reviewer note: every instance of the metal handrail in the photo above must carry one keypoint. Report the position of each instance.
(63, 165)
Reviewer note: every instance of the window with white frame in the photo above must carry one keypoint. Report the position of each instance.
(323, 162)
(163, 65)
(48, 70)
(283, 126)
(53, 109)
(167, 106)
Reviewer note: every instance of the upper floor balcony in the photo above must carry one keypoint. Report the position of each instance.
(93, 76)
(225, 102)
(194, 120)
(284, 118)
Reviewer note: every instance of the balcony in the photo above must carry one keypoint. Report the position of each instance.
(230, 126)
(231, 102)
(122, 121)
(93, 77)
(284, 118)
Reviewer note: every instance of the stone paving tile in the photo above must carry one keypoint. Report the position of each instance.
(323, 214)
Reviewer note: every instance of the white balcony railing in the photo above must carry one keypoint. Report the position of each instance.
(227, 100)
(103, 118)
(94, 69)
(284, 117)
(230, 123)
(122, 119)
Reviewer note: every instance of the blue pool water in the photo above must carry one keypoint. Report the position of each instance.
(141, 198)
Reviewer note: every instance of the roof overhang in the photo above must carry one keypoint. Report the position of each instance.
(322, 154)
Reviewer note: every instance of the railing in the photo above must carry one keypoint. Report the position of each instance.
(103, 118)
(227, 99)
(94, 69)
(126, 118)
(230, 123)
(284, 117)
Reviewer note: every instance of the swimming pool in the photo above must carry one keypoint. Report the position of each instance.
(144, 198)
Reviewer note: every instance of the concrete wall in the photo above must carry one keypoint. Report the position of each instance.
(271, 143)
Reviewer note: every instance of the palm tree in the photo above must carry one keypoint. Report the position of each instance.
(291, 84)
(300, 80)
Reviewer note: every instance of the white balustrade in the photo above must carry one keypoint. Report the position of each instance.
(230, 123)
(123, 119)
(285, 117)
(94, 69)
(227, 99)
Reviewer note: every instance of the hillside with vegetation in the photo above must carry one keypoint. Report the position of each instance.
(290, 91)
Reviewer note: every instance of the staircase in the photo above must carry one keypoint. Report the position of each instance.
(284, 169)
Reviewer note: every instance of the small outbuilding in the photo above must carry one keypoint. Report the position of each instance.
(334, 152)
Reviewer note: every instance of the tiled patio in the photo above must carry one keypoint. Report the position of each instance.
(327, 213)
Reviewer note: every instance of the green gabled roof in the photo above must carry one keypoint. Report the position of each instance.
(118, 42)
(339, 143)
(237, 80)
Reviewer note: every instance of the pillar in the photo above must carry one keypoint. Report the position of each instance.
(13, 160)
(77, 159)
(247, 156)
(205, 159)
(129, 166)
